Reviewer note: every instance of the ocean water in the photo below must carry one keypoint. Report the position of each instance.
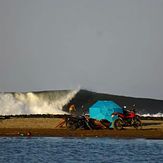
(79, 150)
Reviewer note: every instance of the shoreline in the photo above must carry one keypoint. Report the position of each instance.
(127, 134)
(50, 127)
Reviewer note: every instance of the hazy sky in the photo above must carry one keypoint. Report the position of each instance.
(111, 46)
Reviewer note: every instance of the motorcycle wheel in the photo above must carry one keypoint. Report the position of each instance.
(71, 125)
(82, 124)
(137, 124)
(118, 124)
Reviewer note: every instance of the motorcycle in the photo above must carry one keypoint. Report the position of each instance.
(126, 119)
(76, 122)
(84, 122)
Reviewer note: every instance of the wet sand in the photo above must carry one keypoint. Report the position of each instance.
(152, 129)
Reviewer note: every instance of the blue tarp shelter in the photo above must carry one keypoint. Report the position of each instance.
(104, 109)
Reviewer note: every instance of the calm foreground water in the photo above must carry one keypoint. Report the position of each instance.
(75, 150)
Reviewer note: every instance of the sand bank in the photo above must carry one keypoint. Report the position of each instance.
(152, 129)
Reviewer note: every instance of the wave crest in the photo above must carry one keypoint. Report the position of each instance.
(50, 102)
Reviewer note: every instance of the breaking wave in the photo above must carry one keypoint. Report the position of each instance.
(55, 102)
(50, 102)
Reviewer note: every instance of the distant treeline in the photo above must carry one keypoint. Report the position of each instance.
(34, 116)
(84, 99)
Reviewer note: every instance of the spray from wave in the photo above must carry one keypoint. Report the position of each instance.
(50, 102)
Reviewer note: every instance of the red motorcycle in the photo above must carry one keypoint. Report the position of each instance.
(126, 119)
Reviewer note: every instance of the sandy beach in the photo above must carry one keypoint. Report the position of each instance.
(152, 129)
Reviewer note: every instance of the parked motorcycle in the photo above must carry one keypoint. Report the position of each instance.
(84, 122)
(127, 118)
(77, 122)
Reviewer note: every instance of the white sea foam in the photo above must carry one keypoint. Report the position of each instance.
(32, 103)
(152, 115)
